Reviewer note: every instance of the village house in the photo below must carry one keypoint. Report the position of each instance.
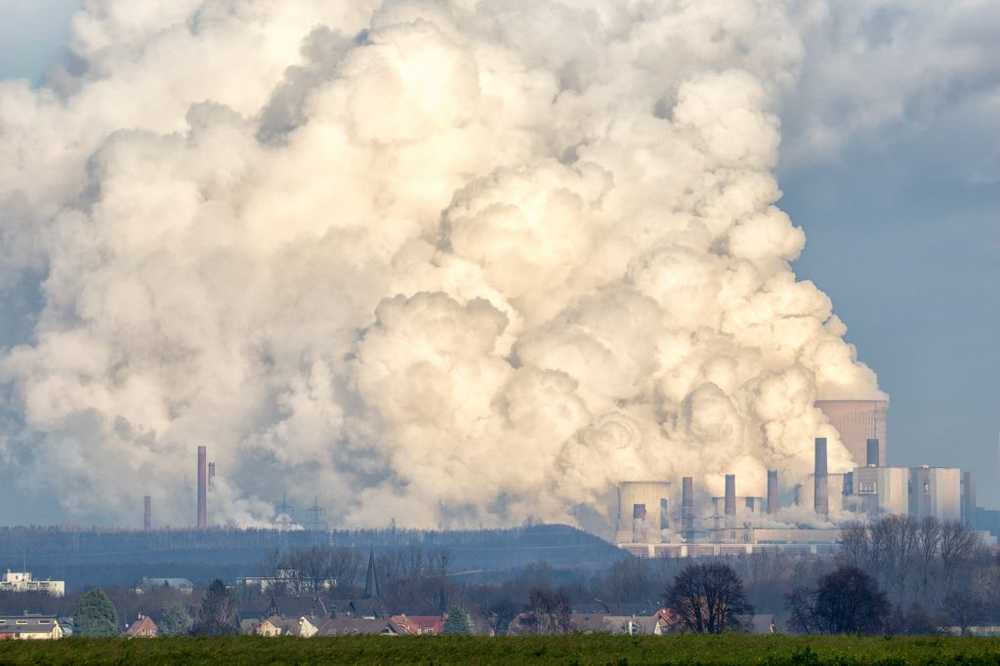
(276, 625)
(29, 627)
(419, 625)
(143, 627)
(358, 626)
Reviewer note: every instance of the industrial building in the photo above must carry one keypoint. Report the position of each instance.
(643, 512)
(937, 492)
(22, 581)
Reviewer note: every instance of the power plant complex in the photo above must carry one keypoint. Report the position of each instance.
(655, 518)
(805, 516)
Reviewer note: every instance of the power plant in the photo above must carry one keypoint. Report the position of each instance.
(814, 508)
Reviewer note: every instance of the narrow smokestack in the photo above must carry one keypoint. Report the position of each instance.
(211, 475)
(772, 491)
(730, 494)
(687, 507)
(147, 513)
(822, 500)
(873, 460)
(202, 488)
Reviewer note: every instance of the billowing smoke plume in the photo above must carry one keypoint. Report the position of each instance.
(456, 263)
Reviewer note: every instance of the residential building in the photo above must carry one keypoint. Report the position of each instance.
(419, 625)
(358, 626)
(143, 627)
(22, 581)
(29, 627)
(276, 625)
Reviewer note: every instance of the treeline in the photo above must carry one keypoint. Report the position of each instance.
(99, 557)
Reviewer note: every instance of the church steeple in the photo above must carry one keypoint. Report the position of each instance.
(373, 590)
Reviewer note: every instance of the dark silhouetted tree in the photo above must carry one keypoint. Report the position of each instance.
(549, 610)
(708, 598)
(501, 613)
(217, 616)
(95, 615)
(846, 601)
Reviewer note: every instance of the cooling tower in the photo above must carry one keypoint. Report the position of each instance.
(202, 488)
(639, 511)
(857, 421)
(772, 491)
(730, 494)
(821, 500)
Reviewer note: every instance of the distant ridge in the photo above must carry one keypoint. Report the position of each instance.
(119, 557)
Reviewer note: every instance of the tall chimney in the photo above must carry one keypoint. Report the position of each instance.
(147, 513)
(202, 488)
(211, 475)
(687, 507)
(822, 501)
(872, 460)
(730, 494)
(772, 491)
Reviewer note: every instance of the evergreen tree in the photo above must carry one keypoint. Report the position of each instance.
(217, 616)
(458, 623)
(95, 615)
(175, 621)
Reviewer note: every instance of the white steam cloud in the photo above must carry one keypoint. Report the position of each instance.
(456, 263)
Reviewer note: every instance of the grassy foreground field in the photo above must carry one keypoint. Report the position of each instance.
(615, 650)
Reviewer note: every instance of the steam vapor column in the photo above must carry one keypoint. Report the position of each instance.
(147, 513)
(202, 488)
(822, 501)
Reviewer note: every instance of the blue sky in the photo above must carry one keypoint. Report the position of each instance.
(903, 227)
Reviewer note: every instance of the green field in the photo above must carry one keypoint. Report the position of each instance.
(731, 649)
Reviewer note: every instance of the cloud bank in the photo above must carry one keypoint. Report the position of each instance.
(452, 263)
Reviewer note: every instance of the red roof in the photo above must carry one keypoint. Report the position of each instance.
(420, 625)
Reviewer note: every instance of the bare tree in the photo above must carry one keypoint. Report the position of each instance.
(855, 545)
(959, 546)
(928, 547)
(708, 598)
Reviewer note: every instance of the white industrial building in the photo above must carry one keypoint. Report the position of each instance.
(937, 492)
(21, 581)
(881, 490)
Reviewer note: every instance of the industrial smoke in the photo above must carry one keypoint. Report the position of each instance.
(451, 263)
